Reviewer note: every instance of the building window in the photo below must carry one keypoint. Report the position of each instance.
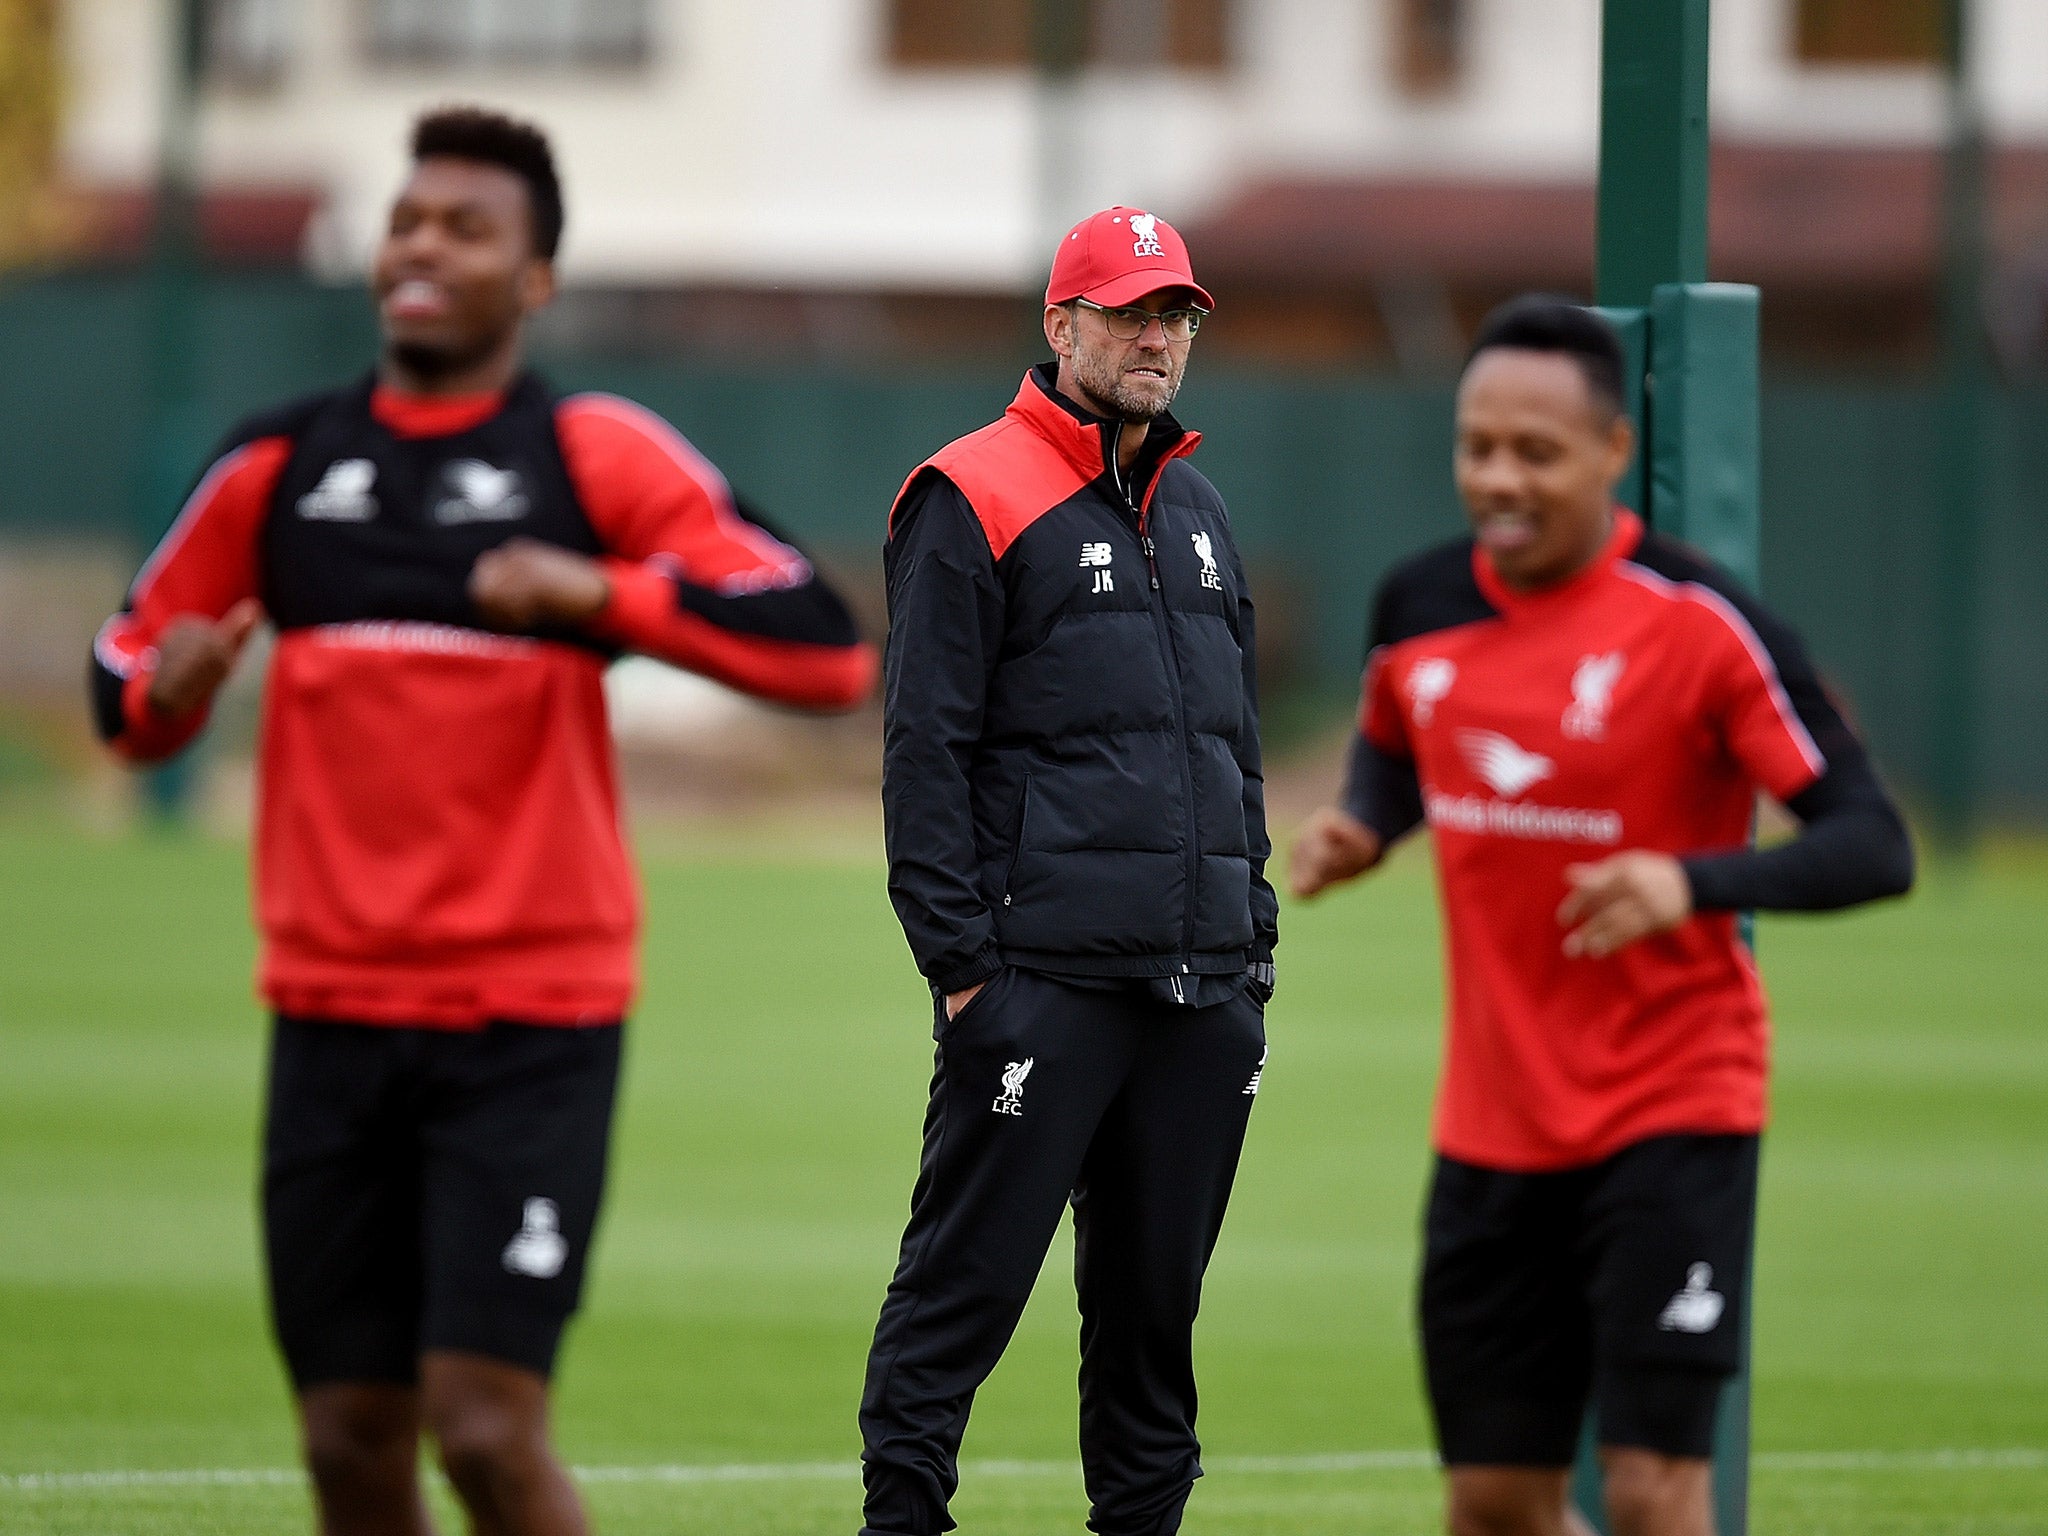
(1142, 34)
(1429, 44)
(526, 32)
(1869, 31)
(247, 42)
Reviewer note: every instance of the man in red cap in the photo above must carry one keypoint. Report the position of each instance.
(1076, 828)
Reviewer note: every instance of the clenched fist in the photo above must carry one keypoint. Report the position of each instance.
(1334, 846)
(524, 583)
(194, 656)
(1622, 899)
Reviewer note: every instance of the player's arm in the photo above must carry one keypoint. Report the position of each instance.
(1382, 797)
(1265, 902)
(1775, 717)
(157, 664)
(945, 628)
(687, 577)
(1852, 845)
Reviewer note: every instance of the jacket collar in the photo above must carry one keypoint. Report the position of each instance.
(1088, 441)
(1622, 542)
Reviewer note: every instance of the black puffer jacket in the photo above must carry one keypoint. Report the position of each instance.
(1071, 774)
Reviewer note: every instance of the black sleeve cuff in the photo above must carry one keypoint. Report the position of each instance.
(986, 963)
(1716, 887)
(1260, 979)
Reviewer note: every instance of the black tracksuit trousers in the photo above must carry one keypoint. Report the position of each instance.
(1046, 1092)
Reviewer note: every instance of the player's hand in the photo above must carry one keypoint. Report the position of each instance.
(1622, 899)
(194, 656)
(523, 583)
(1334, 846)
(955, 1001)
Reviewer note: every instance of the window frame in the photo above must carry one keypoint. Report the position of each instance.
(1858, 42)
(580, 53)
(931, 35)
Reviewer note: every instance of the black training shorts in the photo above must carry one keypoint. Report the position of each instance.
(1624, 1282)
(430, 1189)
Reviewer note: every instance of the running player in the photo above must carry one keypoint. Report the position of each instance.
(451, 555)
(1583, 713)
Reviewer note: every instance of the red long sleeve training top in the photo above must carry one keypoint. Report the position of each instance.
(437, 830)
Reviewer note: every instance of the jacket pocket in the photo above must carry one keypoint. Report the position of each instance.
(1017, 845)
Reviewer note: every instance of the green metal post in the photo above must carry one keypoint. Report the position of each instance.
(171, 433)
(1653, 148)
(1695, 396)
(1955, 718)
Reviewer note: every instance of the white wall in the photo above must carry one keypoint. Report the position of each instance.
(768, 141)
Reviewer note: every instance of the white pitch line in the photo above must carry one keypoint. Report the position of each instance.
(2009, 1460)
(2015, 1460)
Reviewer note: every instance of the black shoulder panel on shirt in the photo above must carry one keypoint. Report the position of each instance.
(1676, 560)
(288, 419)
(1427, 592)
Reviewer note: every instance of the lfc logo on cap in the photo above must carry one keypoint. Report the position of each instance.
(1145, 226)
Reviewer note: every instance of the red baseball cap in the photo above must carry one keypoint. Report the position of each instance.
(1119, 255)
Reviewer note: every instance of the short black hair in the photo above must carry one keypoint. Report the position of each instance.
(1543, 322)
(491, 138)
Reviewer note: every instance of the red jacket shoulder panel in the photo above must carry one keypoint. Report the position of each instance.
(1011, 473)
(1010, 476)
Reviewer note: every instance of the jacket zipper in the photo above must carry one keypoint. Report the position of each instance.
(1180, 716)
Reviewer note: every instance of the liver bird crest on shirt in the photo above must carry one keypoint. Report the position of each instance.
(1429, 680)
(1585, 718)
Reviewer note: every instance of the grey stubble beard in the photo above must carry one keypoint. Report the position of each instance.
(1124, 404)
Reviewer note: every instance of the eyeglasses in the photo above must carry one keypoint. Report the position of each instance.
(1128, 322)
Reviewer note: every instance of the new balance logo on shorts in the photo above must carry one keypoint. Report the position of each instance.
(1695, 1309)
(1012, 1100)
(538, 1248)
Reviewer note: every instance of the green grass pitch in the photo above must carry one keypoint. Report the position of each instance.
(775, 1080)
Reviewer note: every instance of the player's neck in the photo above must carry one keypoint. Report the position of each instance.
(491, 374)
(1565, 572)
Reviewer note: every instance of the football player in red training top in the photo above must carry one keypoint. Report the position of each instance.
(1583, 713)
(451, 556)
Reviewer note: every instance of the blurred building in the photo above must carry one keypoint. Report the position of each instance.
(850, 177)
